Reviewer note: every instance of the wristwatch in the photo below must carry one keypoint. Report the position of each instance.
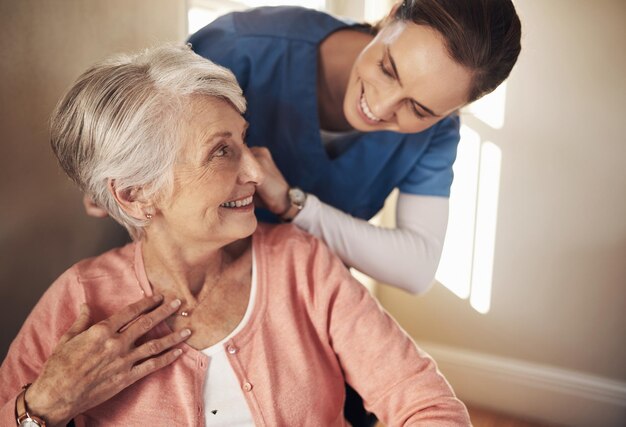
(24, 419)
(297, 199)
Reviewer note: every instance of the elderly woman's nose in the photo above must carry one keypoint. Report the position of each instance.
(251, 170)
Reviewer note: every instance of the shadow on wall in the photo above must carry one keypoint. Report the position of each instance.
(34, 255)
(45, 46)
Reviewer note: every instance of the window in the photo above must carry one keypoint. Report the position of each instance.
(466, 266)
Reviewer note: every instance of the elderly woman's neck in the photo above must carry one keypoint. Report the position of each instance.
(189, 270)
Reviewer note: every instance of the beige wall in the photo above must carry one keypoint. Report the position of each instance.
(45, 45)
(559, 283)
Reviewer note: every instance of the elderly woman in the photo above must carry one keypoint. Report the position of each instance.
(205, 318)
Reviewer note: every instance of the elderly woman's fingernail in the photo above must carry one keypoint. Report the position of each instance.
(185, 332)
(178, 352)
(175, 303)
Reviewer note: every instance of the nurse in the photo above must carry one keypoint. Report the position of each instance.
(341, 114)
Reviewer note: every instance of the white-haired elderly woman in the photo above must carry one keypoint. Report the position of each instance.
(205, 318)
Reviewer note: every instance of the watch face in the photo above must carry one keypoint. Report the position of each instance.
(297, 196)
(29, 423)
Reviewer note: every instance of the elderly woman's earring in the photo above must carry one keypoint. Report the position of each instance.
(149, 216)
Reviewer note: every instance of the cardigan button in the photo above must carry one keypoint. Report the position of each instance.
(232, 349)
(247, 386)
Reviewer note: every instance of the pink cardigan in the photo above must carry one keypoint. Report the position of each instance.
(312, 327)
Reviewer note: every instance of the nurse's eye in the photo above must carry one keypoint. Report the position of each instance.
(384, 70)
(417, 112)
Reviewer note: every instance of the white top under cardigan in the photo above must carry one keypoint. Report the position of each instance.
(224, 402)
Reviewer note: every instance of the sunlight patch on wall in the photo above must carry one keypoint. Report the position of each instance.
(312, 4)
(455, 267)
(490, 108)
(466, 266)
(198, 17)
(203, 12)
(376, 10)
(486, 222)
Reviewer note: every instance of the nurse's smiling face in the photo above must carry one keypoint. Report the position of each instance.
(404, 81)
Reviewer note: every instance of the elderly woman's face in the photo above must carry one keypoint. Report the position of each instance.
(215, 177)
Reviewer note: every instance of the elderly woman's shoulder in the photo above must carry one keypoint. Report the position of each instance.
(108, 263)
(288, 243)
(280, 235)
(93, 280)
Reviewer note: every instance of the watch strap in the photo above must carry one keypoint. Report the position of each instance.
(21, 409)
(290, 213)
(297, 199)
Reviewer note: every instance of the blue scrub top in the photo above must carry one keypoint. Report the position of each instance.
(273, 52)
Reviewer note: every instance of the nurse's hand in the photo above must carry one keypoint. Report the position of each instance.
(92, 209)
(92, 364)
(273, 193)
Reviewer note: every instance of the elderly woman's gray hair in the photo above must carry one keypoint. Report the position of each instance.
(120, 121)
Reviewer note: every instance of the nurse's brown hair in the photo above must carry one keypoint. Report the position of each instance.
(481, 35)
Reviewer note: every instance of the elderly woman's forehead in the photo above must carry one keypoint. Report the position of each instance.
(210, 115)
(210, 104)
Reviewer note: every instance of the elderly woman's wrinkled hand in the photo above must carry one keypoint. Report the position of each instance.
(92, 364)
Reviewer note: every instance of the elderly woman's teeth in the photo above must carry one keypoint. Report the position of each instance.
(366, 109)
(238, 203)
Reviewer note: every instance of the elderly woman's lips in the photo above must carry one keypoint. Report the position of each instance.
(238, 203)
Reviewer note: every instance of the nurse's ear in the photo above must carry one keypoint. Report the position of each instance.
(131, 201)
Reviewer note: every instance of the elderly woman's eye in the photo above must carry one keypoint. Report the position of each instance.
(221, 152)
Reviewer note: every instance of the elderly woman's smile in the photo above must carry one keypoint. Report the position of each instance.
(238, 204)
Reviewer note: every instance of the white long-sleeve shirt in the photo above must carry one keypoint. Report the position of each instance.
(405, 257)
